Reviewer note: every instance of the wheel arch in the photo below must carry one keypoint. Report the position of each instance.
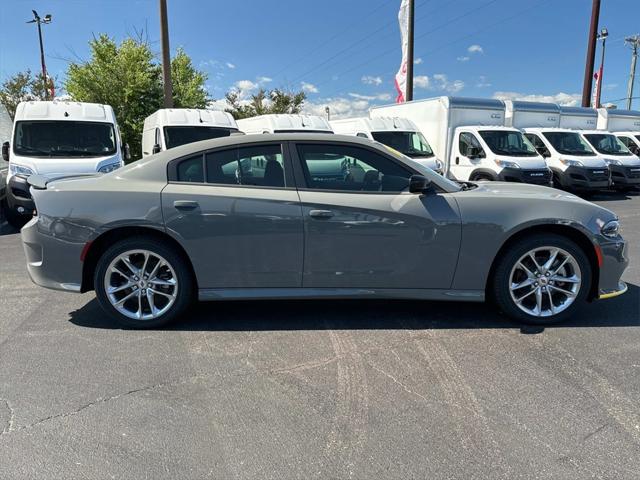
(483, 172)
(108, 238)
(572, 233)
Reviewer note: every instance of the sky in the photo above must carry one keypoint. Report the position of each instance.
(344, 53)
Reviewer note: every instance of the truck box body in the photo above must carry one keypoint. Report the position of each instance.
(284, 123)
(578, 118)
(520, 114)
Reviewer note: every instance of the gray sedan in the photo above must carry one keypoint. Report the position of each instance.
(315, 216)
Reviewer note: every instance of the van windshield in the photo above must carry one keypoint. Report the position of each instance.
(607, 144)
(508, 142)
(411, 144)
(569, 143)
(49, 138)
(176, 136)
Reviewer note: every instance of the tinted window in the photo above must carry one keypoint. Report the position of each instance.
(335, 167)
(505, 142)
(607, 144)
(569, 143)
(261, 166)
(468, 140)
(176, 136)
(412, 144)
(64, 139)
(191, 170)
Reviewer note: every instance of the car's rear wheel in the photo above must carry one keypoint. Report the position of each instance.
(142, 283)
(542, 279)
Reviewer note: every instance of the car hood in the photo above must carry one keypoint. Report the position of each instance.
(505, 190)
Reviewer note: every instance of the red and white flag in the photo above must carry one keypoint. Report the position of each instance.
(598, 88)
(401, 76)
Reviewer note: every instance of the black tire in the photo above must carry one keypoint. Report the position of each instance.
(500, 291)
(185, 291)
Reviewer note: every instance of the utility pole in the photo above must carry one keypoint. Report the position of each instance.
(410, 29)
(591, 54)
(166, 56)
(39, 21)
(634, 43)
(604, 33)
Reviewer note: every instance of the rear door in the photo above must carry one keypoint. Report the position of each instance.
(362, 227)
(237, 213)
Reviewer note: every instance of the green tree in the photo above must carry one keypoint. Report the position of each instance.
(23, 86)
(263, 102)
(188, 83)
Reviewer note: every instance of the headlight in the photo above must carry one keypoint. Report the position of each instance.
(109, 168)
(611, 229)
(507, 164)
(611, 161)
(572, 163)
(19, 170)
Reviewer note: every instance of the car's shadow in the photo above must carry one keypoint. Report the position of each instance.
(611, 195)
(623, 311)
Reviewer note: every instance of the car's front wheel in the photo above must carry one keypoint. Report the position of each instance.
(142, 283)
(542, 279)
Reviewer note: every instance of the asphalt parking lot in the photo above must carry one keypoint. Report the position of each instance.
(361, 389)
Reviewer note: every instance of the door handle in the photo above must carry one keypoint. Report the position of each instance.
(457, 160)
(185, 205)
(320, 214)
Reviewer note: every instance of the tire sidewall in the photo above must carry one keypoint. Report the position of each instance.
(185, 293)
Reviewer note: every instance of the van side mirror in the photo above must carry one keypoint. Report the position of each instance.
(544, 152)
(5, 151)
(156, 149)
(473, 152)
(126, 152)
(419, 184)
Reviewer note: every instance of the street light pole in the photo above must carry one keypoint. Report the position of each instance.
(604, 33)
(634, 43)
(39, 21)
(166, 56)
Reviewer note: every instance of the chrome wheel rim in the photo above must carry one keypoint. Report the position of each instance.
(545, 281)
(141, 285)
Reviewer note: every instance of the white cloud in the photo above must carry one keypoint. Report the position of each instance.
(309, 87)
(610, 86)
(247, 85)
(463, 59)
(379, 96)
(230, 65)
(568, 99)
(483, 82)
(262, 80)
(421, 81)
(371, 80)
(417, 61)
(343, 107)
(475, 49)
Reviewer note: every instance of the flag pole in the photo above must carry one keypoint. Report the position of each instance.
(409, 93)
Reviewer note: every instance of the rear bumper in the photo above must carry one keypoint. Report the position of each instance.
(584, 177)
(536, 177)
(623, 175)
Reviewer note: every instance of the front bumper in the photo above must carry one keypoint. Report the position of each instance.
(536, 177)
(623, 175)
(615, 260)
(585, 177)
(19, 197)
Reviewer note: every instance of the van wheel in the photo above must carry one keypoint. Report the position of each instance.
(141, 283)
(542, 279)
(482, 177)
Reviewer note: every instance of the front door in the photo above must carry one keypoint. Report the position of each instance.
(362, 227)
(238, 215)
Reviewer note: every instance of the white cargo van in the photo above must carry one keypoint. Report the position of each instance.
(171, 127)
(623, 165)
(470, 136)
(398, 133)
(575, 165)
(58, 138)
(624, 124)
(284, 123)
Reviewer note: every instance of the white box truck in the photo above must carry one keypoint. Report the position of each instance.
(624, 124)
(623, 165)
(575, 165)
(284, 123)
(58, 138)
(171, 127)
(470, 136)
(398, 133)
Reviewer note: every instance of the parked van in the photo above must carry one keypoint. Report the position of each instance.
(575, 165)
(624, 165)
(624, 124)
(284, 123)
(470, 136)
(58, 138)
(398, 133)
(171, 127)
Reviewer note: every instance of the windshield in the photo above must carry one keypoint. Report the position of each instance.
(507, 142)
(607, 143)
(176, 136)
(569, 143)
(64, 139)
(411, 144)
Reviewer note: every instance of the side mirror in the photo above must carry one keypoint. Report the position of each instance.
(419, 184)
(473, 152)
(127, 152)
(5, 151)
(156, 149)
(544, 152)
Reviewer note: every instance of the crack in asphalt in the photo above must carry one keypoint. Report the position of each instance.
(9, 426)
